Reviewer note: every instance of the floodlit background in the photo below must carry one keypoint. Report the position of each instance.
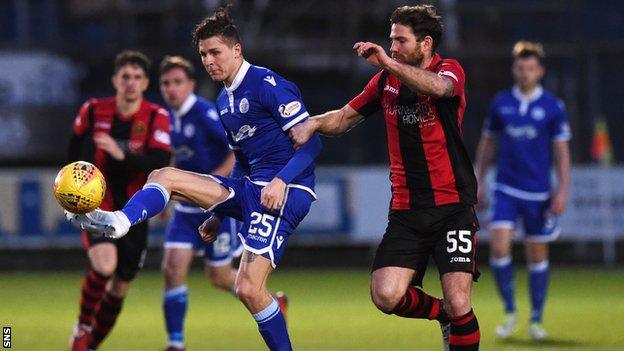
(54, 54)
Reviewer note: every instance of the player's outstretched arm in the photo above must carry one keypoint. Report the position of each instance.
(332, 123)
(417, 79)
(422, 81)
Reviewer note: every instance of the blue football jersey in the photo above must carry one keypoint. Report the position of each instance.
(257, 111)
(197, 136)
(526, 126)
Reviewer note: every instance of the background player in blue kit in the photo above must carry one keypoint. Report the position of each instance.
(531, 129)
(199, 145)
(257, 108)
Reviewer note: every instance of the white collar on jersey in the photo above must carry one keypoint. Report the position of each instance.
(186, 106)
(525, 100)
(534, 95)
(242, 71)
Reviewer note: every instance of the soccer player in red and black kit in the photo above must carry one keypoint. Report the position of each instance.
(126, 137)
(433, 182)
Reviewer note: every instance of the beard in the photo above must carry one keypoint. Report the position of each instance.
(414, 58)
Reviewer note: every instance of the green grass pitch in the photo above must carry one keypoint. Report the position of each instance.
(329, 310)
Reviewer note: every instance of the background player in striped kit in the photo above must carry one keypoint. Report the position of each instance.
(531, 129)
(126, 137)
(199, 145)
(433, 183)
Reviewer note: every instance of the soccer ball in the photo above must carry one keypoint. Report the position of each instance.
(79, 187)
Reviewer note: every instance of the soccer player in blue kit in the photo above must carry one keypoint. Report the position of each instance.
(199, 145)
(257, 108)
(531, 129)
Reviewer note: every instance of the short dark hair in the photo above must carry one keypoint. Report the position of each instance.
(172, 62)
(423, 20)
(219, 23)
(131, 57)
(526, 49)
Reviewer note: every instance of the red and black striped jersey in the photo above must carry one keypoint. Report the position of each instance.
(429, 164)
(144, 137)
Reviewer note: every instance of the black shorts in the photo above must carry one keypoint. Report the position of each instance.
(131, 249)
(448, 233)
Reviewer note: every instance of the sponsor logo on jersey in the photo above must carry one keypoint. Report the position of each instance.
(521, 132)
(270, 80)
(243, 106)
(102, 125)
(420, 113)
(183, 153)
(393, 90)
(506, 110)
(224, 111)
(290, 109)
(244, 132)
(538, 113)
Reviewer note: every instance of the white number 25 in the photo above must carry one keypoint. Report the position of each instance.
(264, 220)
(464, 244)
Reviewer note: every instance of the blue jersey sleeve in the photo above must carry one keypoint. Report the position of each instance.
(560, 128)
(493, 124)
(303, 157)
(283, 100)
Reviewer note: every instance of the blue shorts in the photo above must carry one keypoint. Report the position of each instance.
(182, 233)
(539, 224)
(264, 232)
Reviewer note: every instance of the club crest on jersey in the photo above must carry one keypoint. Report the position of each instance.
(243, 106)
(290, 109)
(189, 130)
(139, 128)
(244, 132)
(538, 113)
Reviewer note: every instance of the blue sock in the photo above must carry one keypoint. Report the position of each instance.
(174, 305)
(538, 286)
(272, 326)
(503, 272)
(146, 203)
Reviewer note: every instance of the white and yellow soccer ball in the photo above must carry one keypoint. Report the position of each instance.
(79, 187)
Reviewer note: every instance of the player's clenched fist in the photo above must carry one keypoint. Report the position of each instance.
(272, 195)
(209, 229)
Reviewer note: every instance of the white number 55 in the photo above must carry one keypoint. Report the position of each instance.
(464, 244)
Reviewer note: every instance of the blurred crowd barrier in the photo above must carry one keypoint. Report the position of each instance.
(351, 209)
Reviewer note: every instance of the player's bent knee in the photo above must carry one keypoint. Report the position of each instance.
(247, 292)
(457, 306)
(106, 269)
(218, 279)
(163, 176)
(386, 298)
